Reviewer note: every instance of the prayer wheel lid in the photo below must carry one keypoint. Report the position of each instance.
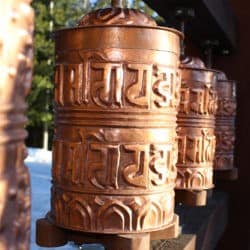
(196, 64)
(221, 76)
(193, 63)
(116, 15)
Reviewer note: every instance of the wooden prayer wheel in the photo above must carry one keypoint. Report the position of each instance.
(117, 88)
(16, 65)
(225, 128)
(196, 135)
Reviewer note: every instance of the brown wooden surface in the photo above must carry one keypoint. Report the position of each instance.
(192, 197)
(225, 126)
(196, 131)
(202, 227)
(48, 235)
(16, 55)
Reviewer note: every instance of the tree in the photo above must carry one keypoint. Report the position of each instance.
(49, 15)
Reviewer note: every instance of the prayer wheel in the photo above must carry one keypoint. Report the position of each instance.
(16, 65)
(196, 135)
(117, 88)
(225, 128)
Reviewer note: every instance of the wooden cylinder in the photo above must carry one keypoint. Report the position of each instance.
(116, 97)
(196, 124)
(16, 55)
(225, 124)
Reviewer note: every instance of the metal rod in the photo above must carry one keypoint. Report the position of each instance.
(182, 24)
(183, 15)
(209, 54)
(209, 46)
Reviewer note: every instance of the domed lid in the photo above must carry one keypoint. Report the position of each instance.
(221, 76)
(193, 63)
(116, 15)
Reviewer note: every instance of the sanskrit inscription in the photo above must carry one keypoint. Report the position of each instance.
(103, 165)
(94, 83)
(196, 148)
(201, 101)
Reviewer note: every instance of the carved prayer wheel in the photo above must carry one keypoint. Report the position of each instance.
(117, 88)
(225, 128)
(16, 54)
(196, 136)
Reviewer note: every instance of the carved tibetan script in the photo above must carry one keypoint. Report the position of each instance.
(201, 100)
(100, 164)
(116, 85)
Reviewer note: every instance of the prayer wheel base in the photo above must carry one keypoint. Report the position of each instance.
(193, 197)
(230, 175)
(49, 235)
(172, 231)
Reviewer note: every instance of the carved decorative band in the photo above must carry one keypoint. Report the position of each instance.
(226, 107)
(196, 149)
(104, 159)
(200, 100)
(225, 138)
(224, 161)
(195, 122)
(87, 188)
(147, 56)
(13, 135)
(194, 178)
(151, 120)
(97, 84)
(13, 120)
(10, 108)
(161, 39)
(225, 121)
(119, 214)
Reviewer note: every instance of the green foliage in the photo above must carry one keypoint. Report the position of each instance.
(64, 13)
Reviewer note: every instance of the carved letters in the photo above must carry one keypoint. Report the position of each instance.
(137, 173)
(200, 101)
(101, 84)
(108, 90)
(99, 164)
(196, 149)
(196, 138)
(225, 126)
(138, 92)
(108, 166)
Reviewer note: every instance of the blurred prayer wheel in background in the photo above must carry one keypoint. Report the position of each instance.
(196, 136)
(225, 128)
(117, 86)
(16, 65)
